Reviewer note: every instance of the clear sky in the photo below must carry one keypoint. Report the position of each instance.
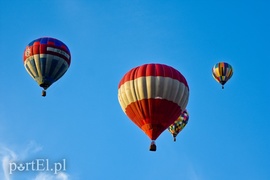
(81, 123)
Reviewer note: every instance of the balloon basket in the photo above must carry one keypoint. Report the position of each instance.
(174, 139)
(43, 93)
(153, 146)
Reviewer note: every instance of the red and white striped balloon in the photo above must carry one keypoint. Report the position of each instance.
(153, 97)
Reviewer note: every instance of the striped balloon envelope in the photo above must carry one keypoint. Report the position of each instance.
(153, 97)
(222, 72)
(46, 60)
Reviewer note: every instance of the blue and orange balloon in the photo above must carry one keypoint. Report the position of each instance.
(46, 60)
(222, 72)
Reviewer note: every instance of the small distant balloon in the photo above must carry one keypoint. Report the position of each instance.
(46, 60)
(179, 124)
(222, 72)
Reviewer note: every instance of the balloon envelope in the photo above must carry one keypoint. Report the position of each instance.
(46, 60)
(222, 72)
(179, 124)
(153, 96)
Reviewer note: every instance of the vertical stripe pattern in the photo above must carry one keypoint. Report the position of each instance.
(222, 72)
(46, 60)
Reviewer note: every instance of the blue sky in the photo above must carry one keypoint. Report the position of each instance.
(81, 121)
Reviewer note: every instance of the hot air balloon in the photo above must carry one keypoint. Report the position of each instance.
(153, 96)
(46, 60)
(179, 124)
(222, 72)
